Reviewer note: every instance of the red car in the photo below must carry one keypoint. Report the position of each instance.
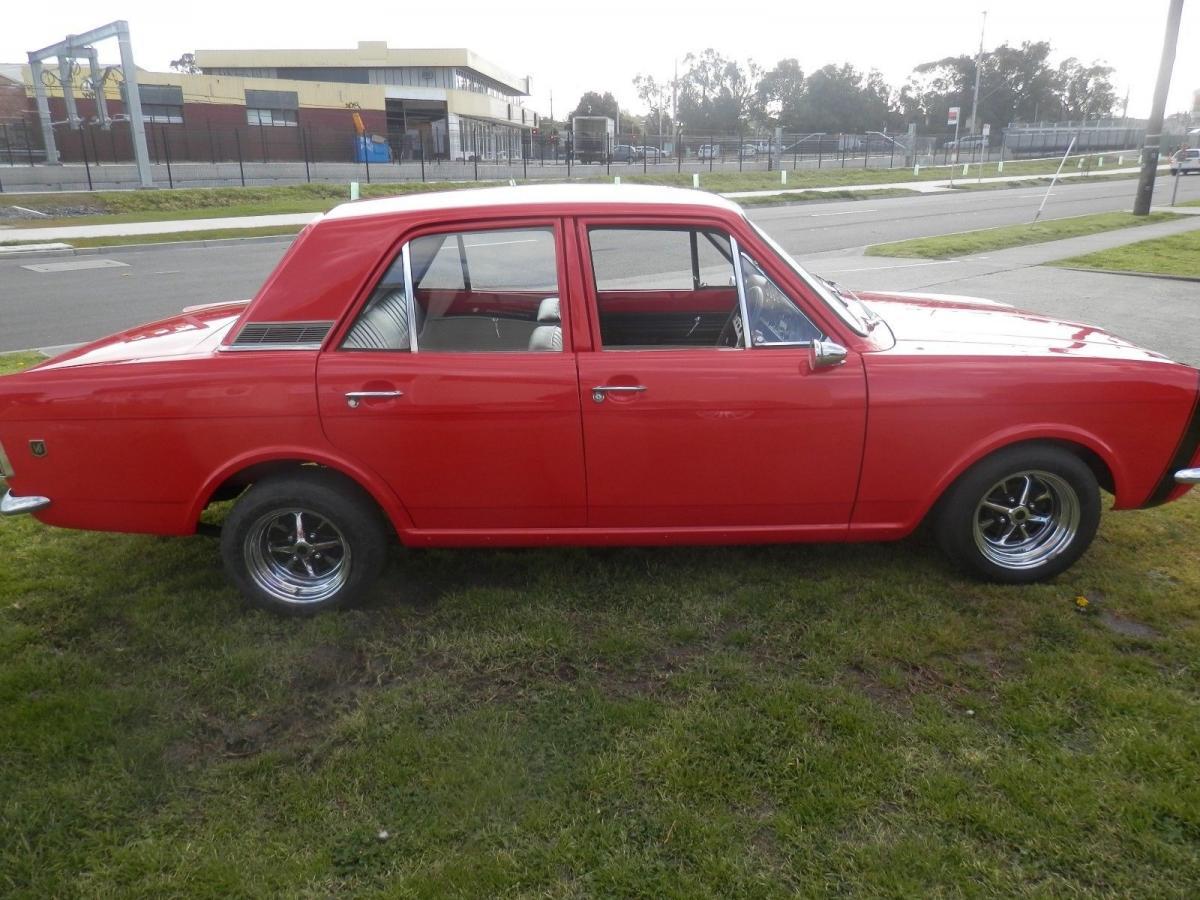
(589, 365)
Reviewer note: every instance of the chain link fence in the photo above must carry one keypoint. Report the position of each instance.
(212, 154)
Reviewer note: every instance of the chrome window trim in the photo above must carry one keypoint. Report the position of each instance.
(736, 250)
(245, 348)
(6, 469)
(410, 297)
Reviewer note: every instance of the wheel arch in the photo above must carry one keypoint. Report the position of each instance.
(1093, 452)
(245, 470)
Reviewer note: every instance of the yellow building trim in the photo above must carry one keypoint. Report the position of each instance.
(368, 54)
(230, 89)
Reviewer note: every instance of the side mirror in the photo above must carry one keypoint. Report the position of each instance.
(827, 353)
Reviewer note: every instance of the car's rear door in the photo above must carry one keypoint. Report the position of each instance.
(687, 422)
(453, 383)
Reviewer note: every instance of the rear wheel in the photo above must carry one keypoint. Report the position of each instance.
(1022, 515)
(301, 543)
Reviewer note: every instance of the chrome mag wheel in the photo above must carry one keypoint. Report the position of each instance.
(1026, 519)
(297, 556)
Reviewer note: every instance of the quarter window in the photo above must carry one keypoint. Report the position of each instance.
(774, 318)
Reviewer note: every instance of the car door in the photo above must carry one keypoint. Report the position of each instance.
(699, 411)
(453, 383)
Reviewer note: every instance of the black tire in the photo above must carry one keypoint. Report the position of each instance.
(1022, 515)
(341, 549)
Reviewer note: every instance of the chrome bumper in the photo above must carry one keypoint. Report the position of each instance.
(1188, 476)
(15, 506)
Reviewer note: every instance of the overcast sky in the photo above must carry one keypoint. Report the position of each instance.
(569, 48)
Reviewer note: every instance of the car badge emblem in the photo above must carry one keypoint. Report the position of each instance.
(37, 448)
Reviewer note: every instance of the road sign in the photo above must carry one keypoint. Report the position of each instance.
(952, 118)
(987, 129)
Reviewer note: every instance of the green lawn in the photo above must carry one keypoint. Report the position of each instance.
(966, 243)
(1175, 255)
(755, 722)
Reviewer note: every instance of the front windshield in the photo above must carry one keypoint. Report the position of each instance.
(846, 311)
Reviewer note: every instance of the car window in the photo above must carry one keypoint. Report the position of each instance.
(473, 291)
(774, 317)
(663, 288)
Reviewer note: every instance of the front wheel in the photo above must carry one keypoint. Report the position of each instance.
(305, 542)
(1023, 515)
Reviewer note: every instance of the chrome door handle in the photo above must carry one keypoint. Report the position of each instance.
(600, 390)
(353, 398)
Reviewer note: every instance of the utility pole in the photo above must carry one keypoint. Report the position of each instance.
(1153, 144)
(978, 64)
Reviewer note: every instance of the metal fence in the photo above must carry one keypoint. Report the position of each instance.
(208, 154)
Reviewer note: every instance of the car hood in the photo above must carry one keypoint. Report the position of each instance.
(197, 331)
(942, 324)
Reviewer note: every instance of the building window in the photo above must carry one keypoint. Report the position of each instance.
(272, 108)
(285, 117)
(162, 114)
(162, 104)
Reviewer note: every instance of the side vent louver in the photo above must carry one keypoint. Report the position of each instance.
(292, 335)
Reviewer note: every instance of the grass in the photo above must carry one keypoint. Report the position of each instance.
(15, 362)
(966, 243)
(1177, 254)
(755, 722)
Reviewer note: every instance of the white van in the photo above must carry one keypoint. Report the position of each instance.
(1185, 162)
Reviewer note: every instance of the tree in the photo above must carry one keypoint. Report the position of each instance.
(841, 99)
(186, 64)
(718, 95)
(593, 103)
(1086, 91)
(781, 94)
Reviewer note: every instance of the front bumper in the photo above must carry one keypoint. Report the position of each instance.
(1188, 476)
(11, 505)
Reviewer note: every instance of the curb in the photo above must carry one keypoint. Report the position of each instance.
(156, 245)
(1160, 275)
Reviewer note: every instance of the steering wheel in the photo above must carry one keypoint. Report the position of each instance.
(732, 330)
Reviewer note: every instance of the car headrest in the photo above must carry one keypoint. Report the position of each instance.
(548, 311)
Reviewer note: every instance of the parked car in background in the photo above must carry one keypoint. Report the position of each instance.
(709, 151)
(651, 154)
(588, 364)
(1186, 161)
(749, 151)
(625, 153)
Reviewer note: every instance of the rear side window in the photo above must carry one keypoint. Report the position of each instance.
(472, 292)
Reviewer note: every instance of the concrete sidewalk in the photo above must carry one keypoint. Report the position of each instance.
(134, 229)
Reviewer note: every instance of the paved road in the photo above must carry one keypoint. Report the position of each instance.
(39, 309)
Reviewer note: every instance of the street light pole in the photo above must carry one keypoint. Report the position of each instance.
(978, 64)
(1153, 143)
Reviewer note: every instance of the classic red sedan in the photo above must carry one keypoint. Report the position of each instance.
(589, 365)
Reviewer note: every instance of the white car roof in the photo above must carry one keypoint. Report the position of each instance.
(535, 194)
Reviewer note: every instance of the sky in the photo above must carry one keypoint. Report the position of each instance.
(570, 48)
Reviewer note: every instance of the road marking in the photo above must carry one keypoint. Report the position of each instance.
(848, 212)
(169, 272)
(75, 265)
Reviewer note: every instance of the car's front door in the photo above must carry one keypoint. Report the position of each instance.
(701, 406)
(453, 382)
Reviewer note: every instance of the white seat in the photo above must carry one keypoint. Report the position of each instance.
(384, 325)
(548, 311)
(546, 337)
